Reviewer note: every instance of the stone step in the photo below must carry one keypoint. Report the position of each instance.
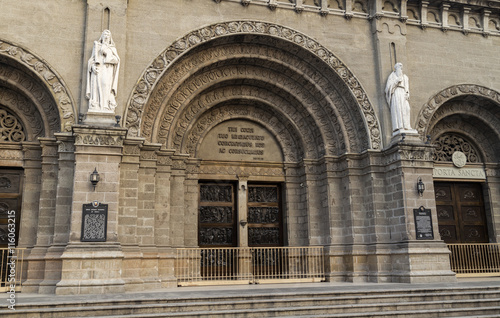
(392, 302)
(485, 312)
(252, 308)
(262, 300)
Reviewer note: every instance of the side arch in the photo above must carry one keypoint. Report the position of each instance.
(480, 106)
(40, 83)
(232, 52)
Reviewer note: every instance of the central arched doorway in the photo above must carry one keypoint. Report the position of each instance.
(254, 114)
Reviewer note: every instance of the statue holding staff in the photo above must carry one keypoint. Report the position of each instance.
(397, 94)
(102, 75)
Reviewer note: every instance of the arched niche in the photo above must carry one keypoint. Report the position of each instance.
(286, 78)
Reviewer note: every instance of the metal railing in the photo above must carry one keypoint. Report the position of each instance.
(481, 259)
(248, 265)
(11, 269)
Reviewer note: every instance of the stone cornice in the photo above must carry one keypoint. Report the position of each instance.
(374, 12)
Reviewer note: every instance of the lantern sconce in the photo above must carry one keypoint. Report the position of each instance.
(94, 178)
(420, 187)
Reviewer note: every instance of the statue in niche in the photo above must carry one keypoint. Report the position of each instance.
(102, 75)
(397, 94)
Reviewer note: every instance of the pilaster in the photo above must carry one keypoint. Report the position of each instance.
(410, 255)
(94, 267)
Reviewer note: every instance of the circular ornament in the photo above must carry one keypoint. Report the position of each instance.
(459, 159)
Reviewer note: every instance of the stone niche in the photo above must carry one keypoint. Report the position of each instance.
(240, 140)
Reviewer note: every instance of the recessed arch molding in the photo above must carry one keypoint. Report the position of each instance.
(444, 113)
(50, 80)
(217, 56)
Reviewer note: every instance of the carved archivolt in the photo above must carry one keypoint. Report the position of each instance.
(444, 114)
(342, 104)
(64, 105)
(26, 110)
(427, 112)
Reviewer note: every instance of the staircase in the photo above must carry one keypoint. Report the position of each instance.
(319, 300)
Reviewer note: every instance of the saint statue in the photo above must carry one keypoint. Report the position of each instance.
(102, 75)
(397, 94)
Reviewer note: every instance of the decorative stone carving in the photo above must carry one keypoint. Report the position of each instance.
(26, 109)
(99, 140)
(237, 170)
(449, 144)
(65, 104)
(102, 75)
(154, 72)
(133, 150)
(429, 109)
(397, 94)
(11, 129)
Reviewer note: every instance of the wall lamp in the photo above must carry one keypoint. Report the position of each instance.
(94, 178)
(420, 187)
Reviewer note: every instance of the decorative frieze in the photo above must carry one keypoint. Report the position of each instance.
(98, 137)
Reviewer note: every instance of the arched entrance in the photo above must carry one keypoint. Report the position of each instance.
(253, 110)
(274, 79)
(34, 106)
(463, 123)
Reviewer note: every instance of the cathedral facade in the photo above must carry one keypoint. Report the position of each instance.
(246, 123)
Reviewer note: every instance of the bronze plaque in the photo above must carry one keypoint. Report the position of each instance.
(423, 224)
(94, 222)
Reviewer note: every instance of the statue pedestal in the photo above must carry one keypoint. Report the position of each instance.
(403, 135)
(100, 119)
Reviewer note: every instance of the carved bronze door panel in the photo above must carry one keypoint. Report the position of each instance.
(217, 228)
(265, 231)
(10, 203)
(10, 211)
(216, 217)
(460, 211)
(264, 216)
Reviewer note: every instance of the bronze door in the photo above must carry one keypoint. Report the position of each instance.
(265, 230)
(10, 203)
(264, 216)
(10, 212)
(216, 217)
(217, 228)
(460, 211)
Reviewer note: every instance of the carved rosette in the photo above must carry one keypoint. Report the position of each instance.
(153, 73)
(54, 83)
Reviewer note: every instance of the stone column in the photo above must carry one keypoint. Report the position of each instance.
(45, 221)
(295, 219)
(162, 212)
(177, 207)
(62, 215)
(29, 217)
(94, 267)
(127, 216)
(146, 217)
(242, 221)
